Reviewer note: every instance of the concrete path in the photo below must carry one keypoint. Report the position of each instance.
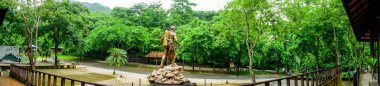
(365, 79)
(139, 75)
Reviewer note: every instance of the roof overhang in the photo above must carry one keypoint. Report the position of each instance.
(363, 16)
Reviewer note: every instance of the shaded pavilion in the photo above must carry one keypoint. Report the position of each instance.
(364, 16)
(155, 55)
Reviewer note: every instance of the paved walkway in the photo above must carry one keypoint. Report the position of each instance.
(134, 75)
(365, 79)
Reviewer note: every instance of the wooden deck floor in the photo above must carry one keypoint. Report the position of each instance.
(8, 81)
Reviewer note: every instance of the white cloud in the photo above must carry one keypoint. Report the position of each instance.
(207, 5)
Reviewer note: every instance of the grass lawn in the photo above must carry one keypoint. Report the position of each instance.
(79, 75)
(68, 57)
(64, 57)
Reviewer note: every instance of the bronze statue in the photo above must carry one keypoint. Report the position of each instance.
(168, 40)
(169, 75)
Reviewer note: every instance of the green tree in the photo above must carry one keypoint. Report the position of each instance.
(31, 17)
(133, 39)
(117, 58)
(181, 12)
(12, 32)
(196, 39)
(64, 22)
(142, 14)
(241, 13)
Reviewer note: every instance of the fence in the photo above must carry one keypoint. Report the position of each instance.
(37, 78)
(323, 77)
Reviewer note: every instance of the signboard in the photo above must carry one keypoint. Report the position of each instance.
(6, 50)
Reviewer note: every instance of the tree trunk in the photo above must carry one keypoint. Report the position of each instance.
(30, 54)
(337, 53)
(192, 62)
(114, 70)
(28, 36)
(249, 48)
(56, 46)
(354, 47)
(317, 55)
(238, 60)
(378, 48)
(36, 23)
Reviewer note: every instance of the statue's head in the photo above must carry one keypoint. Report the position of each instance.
(172, 27)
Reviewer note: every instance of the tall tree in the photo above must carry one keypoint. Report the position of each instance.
(63, 19)
(29, 13)
(250, 18)
(181, 12)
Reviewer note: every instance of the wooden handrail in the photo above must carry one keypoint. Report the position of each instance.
(323, 76)
(32, 77)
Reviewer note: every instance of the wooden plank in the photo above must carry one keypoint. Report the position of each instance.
(72, 83)
(39, 78)
(287, 82)
(49, 77)
(308, 79)
(295, 81)
(62, 81)
(266, 83)
(302, 81)
(55, 81)
(43, 79)
(82, 84)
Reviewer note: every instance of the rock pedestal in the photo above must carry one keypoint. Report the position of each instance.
(170, 75)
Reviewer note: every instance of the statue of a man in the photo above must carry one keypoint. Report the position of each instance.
(168, 40)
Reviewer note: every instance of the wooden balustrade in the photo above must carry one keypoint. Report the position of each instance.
(316, 78)
(37, 78)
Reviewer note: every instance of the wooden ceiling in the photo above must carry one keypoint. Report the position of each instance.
(363, 16)
(2, 15)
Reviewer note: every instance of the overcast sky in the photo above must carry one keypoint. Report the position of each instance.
(207, 5)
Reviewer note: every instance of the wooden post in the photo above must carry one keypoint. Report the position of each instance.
(378, 54)
(43, 79)
(307, 79)
(55, 81)
(48, 81)
(312, 79)
(39, 78)
(295, 81)
(27, 75)
(72, 83)
(288, 82)
(302, 80)
(266, 83)
(371, 44)
(62, 81)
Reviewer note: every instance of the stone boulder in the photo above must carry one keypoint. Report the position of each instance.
(168, 75)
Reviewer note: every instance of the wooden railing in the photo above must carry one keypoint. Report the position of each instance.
(37, 78)
(323, 77)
